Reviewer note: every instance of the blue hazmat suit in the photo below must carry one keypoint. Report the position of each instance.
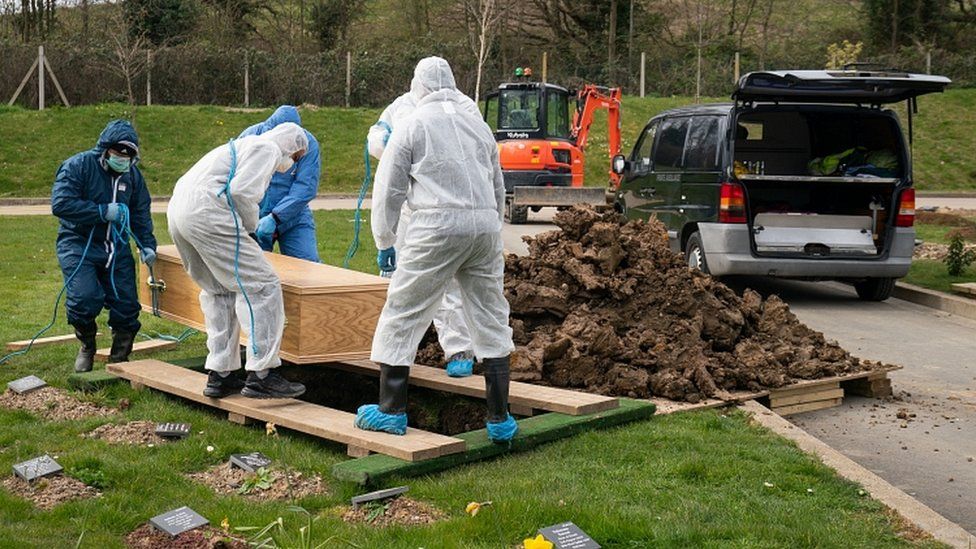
(290, 192)
(83, 187)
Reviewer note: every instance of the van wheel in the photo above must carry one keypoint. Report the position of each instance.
(875, 289)
(695, 254)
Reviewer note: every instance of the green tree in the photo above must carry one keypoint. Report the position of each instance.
(331, 20)
(162, 21)
(892, 24)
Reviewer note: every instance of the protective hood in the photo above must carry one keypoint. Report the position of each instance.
(117, 131)
(432, 74)
(283, 114)
(289, 137)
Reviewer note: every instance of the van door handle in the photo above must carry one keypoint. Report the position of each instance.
(647, 192)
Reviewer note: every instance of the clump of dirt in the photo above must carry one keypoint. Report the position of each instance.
(53, 404)
(965, 226)
(401, 511)
(134, 432)
(225, 479)
(206, 537)
(48, 492)
(605, 306)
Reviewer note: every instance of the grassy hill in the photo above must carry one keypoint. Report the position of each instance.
(173, 138)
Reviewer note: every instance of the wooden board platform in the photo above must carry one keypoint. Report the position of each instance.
(522, 396)
(43, 341)
(331, 313)
(140, 348)
(533, 432)
(291, 413)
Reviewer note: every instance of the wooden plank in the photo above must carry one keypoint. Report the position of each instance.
(533, 432)
(812, 396)
(526, 395)
(803, 389)
(42, 341)
(139, 348)
(293, 414)
(868, 387)
(356, 451)
(808, 406)
(965, 288)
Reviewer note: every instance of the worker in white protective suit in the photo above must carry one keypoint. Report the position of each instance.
(452, 330)
(214, 208)
(443, 162)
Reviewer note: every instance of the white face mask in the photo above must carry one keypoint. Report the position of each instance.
(285, 164)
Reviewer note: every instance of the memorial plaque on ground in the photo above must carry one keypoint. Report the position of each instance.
(177, 521)
(36, 468)
(568, 536)
(26, 384)
(378, 495)
(173, 430)
(250, 462)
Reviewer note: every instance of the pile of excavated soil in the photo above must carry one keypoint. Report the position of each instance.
(53, 404)
(48, 492)
(225, 479)
(605, 306)
(206, 537)
(401, 511)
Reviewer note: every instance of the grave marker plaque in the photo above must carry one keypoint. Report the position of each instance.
(568, 536)
(250, 462)
(26, 384)
(177, 521)
(173, 430)
(36, 468)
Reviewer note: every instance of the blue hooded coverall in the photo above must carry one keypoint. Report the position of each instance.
(290, 192)
(82, 188)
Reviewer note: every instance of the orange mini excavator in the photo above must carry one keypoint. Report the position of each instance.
(541, 146)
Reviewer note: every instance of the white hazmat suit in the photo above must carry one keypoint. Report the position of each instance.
(203, 229)
(452, 330)
(442, 161)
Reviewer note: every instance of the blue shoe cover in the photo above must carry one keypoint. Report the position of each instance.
(461, 365)
(502, 431)
(370, 418)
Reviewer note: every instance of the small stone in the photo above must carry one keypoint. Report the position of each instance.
(768, 484)
(969, 459)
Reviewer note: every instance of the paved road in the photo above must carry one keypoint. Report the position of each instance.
(932, 456)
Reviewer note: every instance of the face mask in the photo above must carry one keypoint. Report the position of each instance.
(285, 164)
(119, 164)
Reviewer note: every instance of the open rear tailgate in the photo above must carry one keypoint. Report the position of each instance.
(847, 86)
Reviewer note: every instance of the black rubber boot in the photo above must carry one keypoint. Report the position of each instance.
(272, 386)
(86, 355)
(121, 346)
(393, 389)
(496, 387)
(219, 386)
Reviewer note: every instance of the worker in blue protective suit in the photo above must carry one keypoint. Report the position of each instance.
(95, 193)
(285, 215)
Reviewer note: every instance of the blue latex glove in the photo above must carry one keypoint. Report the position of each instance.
(266, 230)
(370, 418)
(460, 365)
(386, 259)
(111, 212)
(148, 256)
(502, 431)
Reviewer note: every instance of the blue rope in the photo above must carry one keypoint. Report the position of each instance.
(237, 244)
(57, 302)
(358, 218)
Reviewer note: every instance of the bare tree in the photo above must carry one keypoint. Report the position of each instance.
(486, 15)
(128, 58)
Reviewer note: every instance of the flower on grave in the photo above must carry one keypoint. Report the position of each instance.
(537, 542)
(225, 525)
(473, 507)
(271, 430)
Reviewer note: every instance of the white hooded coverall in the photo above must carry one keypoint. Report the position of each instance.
(203, 229)
(443, 162)
(452, 330)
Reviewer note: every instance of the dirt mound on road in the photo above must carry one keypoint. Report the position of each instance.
(604, 305)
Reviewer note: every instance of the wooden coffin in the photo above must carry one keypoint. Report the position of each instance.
(331, 313)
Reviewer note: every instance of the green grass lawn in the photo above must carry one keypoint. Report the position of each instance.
(689, 480)
(173, 138)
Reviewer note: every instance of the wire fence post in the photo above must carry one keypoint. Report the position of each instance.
(348, 77)
(40, 78)
(643, 72)
(148, 77)
(247, 81)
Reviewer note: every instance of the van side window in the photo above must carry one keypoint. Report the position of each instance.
(642, 153)
(671, 144)
(701, 150)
